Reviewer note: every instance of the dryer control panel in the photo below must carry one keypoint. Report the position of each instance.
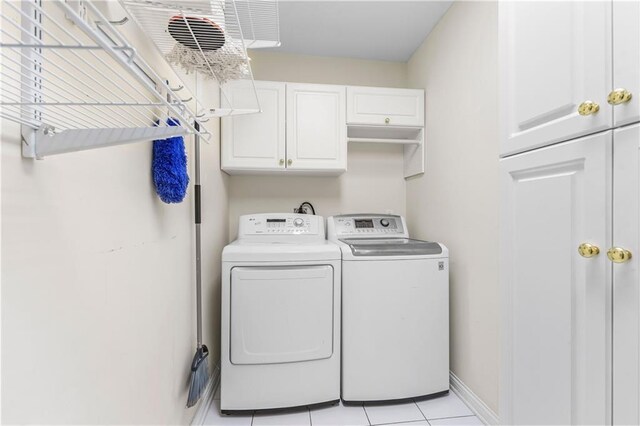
(366, 226)
(280, 224)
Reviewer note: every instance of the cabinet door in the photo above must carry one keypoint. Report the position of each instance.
(255, 141)
(382, 106)
(626, 277)
(626, 59)
(556, 304)
(554, 56)
(316, 127)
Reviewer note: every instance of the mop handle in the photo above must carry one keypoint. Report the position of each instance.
(198, 240)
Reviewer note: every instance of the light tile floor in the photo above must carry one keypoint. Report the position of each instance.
(445, 410)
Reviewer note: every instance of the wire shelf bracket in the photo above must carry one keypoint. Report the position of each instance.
(43, 142)
(83, 86)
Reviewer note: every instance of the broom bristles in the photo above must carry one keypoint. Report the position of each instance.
(199, 376)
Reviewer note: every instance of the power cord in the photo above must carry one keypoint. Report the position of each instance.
(303, 210)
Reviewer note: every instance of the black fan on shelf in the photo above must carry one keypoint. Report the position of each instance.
(196, 33)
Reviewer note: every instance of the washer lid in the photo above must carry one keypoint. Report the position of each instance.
(391, 247)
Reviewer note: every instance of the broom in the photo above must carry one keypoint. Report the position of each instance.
(199, 367)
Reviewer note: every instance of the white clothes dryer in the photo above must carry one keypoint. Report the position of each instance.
(280, 314)
(395, 309)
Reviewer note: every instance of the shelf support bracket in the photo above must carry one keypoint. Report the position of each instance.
(44, 142)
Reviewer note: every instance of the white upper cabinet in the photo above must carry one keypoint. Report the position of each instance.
(626, 62)
(302, 128)
(384, 106)
(316, 128)
(556, 59)
(255, 141)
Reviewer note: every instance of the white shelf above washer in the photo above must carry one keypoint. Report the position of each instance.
(410, 136)
(380, 140)
(390, 134)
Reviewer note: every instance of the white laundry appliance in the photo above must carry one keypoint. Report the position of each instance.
(395, 309)
(280, 314)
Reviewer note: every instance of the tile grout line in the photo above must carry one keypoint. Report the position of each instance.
(310, 420)
(454, 417)
(420, 409)
(366, 414)
(401, 422)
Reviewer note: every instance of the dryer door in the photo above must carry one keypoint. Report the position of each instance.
(281, 314)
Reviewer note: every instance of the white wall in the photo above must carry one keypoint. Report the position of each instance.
(456, 201)
(98, 299)
(374, 181)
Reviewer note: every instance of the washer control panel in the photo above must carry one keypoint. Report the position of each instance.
(369, 226)
(282, 224)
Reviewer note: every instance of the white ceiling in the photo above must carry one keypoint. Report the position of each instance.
(384, 30)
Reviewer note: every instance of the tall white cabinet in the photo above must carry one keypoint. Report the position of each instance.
(570, 212)
(626, 60)
(626, 276)
(557, 320)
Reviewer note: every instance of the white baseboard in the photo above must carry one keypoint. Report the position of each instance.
(207, 397)
(480, 409)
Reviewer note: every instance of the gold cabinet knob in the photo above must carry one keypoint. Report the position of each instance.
(281, 161)
(618, 255)
(387, 120)
(588, 108)
(619, 96)
(588, 250)
(289, 161)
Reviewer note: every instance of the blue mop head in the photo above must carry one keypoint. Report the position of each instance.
(170, 167)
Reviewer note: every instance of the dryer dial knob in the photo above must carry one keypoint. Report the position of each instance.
(384, 222)
(298, 222)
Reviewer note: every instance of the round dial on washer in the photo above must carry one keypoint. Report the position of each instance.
(298, 222)
(384, 222)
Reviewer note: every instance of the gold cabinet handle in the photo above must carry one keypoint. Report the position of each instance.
(387, 120)
(588, 250)
(588, 108)
(281, 161)
(618, 255)
(289, 161)
(619, 96)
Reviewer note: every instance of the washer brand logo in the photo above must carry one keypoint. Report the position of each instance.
(440, 266)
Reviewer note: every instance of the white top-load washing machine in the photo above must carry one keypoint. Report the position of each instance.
(280, 314)
(395, 309)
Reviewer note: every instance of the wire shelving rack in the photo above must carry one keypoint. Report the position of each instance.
(235, 24)
(81, 86)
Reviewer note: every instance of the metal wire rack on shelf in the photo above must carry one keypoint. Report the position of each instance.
(81, 86)
(211, 37)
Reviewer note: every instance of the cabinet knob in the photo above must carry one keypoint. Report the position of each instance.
(281, 162)
(289, 161)
(619, 96)
(588, 108)
(618, 255)
(387, 120)
(588, 250)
